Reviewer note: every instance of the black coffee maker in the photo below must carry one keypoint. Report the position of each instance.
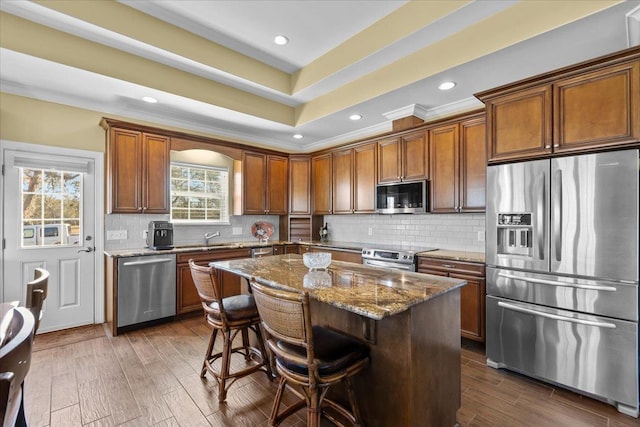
(160, 235)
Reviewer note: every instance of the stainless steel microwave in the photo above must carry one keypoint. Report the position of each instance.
(403, 197)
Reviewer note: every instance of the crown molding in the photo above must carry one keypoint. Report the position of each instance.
(416, 110)
(633, 27)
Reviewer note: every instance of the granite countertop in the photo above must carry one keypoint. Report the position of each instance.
(372, 292)
(454, 255)
(120, 253)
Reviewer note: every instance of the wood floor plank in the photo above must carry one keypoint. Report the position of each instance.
(93, 399)
(122, 403)
(151, 377)
(37, 391)
(185, 411)
(203, 392)
(144, 349)
(102, 422)
(66, 417)
(64, 391)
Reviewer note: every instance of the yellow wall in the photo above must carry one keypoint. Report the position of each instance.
(38, 122)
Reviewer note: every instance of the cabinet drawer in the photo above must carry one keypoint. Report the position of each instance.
(434, 265)
(201, 257)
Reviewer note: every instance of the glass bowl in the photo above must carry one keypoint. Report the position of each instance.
(316, 260)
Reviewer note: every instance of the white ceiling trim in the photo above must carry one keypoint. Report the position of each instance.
(416, 110)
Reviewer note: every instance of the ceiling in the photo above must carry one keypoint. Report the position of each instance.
(215, 70)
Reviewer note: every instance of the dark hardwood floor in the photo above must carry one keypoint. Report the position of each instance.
(150, 377)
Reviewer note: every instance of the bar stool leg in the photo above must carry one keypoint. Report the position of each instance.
(207, 356)
(354, 403)
(245, 344)
(224, 368)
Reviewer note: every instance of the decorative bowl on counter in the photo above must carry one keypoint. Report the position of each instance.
(316, 260)
(316, 279)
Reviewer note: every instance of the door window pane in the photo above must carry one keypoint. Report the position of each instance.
(51, 206)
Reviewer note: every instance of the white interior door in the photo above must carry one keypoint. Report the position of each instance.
(49, 222)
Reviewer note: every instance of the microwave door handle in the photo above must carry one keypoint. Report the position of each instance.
(557, 214)
(556, 317)
(540, 226)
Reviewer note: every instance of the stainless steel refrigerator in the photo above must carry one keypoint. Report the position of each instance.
(562, 272)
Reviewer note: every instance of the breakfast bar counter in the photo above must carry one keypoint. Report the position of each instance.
(411, 322)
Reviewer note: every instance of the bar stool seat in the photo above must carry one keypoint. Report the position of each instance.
(231, 316)
(312, 358)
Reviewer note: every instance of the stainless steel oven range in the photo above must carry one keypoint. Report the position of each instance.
(395, 257)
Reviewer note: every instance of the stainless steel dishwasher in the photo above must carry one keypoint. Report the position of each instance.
(146, 289)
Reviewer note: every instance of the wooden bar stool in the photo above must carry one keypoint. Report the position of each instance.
(230, 315)
(37, 291)
(311, 357)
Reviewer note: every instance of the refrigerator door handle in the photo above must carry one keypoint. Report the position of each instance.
(541, 209)
(555, 316)
(554, 283)
(557, 214)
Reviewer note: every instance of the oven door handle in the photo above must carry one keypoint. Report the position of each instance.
(397, 266)
(563, 284)
(556, 317)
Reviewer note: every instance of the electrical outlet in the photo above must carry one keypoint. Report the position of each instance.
(370, 231)
(237, 230)
(116, 234)
(480, 236)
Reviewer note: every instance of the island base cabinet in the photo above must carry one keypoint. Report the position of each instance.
(414, 374)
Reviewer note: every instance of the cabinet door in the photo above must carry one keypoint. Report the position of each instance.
(364, 178)
(300, 185)
(125, 166)
(156, 166)
(321, 183)
(389, 158)
(254, 183)
(444, 168)
(473, 165)
(187, 298)
(472, 321)
(415, 156)
(597, 109)
(342, 181)
(277, 175)
(519, 124)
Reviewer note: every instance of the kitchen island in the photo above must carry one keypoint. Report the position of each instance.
(410, 320)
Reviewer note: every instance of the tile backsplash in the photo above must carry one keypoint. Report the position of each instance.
(136, 225)
(459, 232)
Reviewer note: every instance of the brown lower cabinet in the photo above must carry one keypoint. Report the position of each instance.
(187, 298)
(472, 295)
(336, 255)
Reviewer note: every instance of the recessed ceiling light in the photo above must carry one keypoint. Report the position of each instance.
(355, 117)
(297, 136)
(280, 40)
(149, 99)
(446, 85)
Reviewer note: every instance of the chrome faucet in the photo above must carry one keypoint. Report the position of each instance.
(209, 236)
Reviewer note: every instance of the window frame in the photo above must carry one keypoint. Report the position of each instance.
(225, 216)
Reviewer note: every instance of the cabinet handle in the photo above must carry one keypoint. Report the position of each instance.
(448, 266)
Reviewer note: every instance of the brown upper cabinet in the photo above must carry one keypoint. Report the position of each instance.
(138, 178)
(354, 179)
(321, 184)
(265, 182)
(598, 108)
(589, 106)
(404, 158)
(300, 185)
(458, 162)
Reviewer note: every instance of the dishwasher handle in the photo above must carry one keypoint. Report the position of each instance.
(147, 262)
